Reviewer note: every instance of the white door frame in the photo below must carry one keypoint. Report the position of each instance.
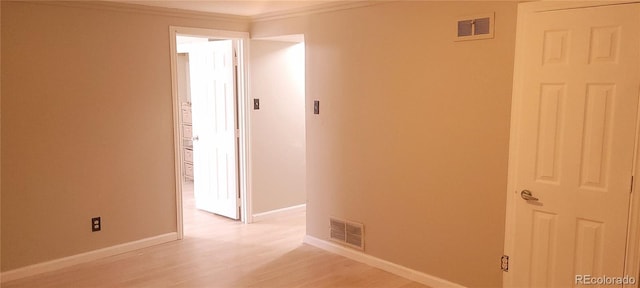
(525, 10)
(244, 161)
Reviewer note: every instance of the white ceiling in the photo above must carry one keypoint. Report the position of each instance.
(238, 7)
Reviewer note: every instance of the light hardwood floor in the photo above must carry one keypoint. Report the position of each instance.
(218, 252)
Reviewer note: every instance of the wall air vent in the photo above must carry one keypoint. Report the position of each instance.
(349, 233)
(338, 230)
(475, 27)
(355, 235)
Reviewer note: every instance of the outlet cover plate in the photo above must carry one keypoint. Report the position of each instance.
(96, 224)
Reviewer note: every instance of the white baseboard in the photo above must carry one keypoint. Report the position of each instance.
(278, 212)
(85, 257)
(417, 276)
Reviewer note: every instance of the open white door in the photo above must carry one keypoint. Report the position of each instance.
(214, 127)
(575, 114)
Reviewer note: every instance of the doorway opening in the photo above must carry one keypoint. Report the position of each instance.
(207, 90)
(256, 156)
(210, 122)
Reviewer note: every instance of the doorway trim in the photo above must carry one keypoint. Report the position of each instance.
(632, 254)
(244, 155)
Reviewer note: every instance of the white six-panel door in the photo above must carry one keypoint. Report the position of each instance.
(214, 128)
(575, 144)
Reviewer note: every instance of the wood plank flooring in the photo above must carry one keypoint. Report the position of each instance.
(218, 252)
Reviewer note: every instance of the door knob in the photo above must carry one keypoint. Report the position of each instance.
(526, 195)
(196, 138)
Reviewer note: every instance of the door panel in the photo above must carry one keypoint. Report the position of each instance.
(214, 127)
(576, 143)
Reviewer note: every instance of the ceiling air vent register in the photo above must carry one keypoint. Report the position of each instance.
(349, 233)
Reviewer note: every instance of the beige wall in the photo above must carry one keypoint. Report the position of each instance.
(277, 129)
(87, 126)
(412, 136)
(411, 123)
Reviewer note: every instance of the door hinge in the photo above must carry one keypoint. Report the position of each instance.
(504, 263)
(631, 189)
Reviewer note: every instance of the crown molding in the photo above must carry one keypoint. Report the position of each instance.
(143, 9)
(316, 9)
(190, 14)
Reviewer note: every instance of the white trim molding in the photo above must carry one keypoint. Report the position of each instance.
(86, 257)
(111, 5)
(278, 212)
(315, 9)
(417, 276)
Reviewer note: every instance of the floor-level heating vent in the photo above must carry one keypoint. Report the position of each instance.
(349, 233)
